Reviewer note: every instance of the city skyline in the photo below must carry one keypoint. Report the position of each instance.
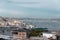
(30, 8)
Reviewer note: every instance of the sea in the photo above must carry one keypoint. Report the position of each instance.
(50, 24)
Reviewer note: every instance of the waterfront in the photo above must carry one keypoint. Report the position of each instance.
(51, 25)
(16, 29)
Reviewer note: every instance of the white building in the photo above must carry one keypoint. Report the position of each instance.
(16, 23)
(48, 35)
(36, 38)
(29, 26)
(5, 37)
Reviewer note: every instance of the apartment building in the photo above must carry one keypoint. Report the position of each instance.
(20, 34)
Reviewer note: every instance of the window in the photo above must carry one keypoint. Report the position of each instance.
(15, 32)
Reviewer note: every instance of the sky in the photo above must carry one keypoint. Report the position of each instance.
(30, 8)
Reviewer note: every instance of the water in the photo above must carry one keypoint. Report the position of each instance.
(51, 25)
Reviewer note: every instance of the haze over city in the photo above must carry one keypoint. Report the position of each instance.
(29, 19)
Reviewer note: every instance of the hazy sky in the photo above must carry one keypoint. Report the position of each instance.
(30, 8)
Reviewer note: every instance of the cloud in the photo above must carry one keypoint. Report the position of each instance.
(2, 3)
(51, 4)
(30, 8)
(12, 13)
(24, 0)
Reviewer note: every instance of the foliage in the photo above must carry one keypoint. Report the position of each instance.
(36, 31)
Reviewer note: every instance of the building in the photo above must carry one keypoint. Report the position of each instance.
(36, 38)
(30, 26)
(16, 23)
(5, 37)
(20, 34)
(49, 35)
(58, 36)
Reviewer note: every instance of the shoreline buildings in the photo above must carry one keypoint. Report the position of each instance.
(25, 30)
